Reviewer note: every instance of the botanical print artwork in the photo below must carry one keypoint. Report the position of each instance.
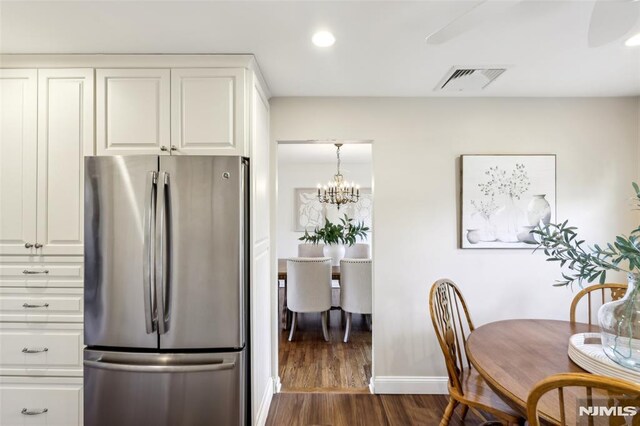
(309, 212)
(504, 197)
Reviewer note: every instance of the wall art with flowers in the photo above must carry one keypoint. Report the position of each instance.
(505, 197)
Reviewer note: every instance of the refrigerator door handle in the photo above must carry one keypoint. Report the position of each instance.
(163, 254)
(148, 279)
(155, 368)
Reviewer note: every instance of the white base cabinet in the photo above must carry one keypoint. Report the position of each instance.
(50, 401)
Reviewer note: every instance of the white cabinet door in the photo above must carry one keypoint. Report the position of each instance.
(132, 111)
(207, 111)
(65, 136)
(18, 160)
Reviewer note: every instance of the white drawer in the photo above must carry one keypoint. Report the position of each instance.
(48, 349)
(41, 274)
(60, 397)
(41, 304)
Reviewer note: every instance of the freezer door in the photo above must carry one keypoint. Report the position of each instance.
(133, 389)
(200, 270)
(118, 251)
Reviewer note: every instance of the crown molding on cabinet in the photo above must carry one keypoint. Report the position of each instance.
(247, 61)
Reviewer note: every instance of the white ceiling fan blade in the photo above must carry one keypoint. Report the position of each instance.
(479, 13)
(611, 20)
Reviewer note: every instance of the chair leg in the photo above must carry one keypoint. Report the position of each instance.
(294, 321)
(448, 412)
(347, 329)
(325, 329)
(465, 410)
(367, 319)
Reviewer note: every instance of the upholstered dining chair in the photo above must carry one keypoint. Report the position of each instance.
(355, 290)
(310, 250)
(309, 289)
(358, 251)
(616, 292)
(595, 390)
(452, 324)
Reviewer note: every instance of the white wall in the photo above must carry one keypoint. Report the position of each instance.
(417, 142)
(291, 176)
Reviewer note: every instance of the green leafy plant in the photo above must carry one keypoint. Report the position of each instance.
(589, 263)
(346, 232)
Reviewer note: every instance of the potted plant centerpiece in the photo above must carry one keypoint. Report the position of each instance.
(619, 320)
(335, 236)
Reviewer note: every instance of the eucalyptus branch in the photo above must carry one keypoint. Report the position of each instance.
(561, 244)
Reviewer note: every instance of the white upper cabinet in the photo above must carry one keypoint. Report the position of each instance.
(207, 111)
(46, 127)
(132, 111)
(18, 161)
(65, 136)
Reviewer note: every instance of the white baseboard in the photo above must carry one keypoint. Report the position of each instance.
(433, 385)
(265, 404)
(277, 385)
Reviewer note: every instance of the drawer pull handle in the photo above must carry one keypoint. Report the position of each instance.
(32, 272)
(28, 305)
(34, 351)
(28, 412)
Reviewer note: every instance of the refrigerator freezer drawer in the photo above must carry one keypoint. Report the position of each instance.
(131, 389)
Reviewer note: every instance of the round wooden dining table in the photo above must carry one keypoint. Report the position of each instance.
(513, 355)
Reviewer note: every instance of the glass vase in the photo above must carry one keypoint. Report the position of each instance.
(620, 326)
(509, 218)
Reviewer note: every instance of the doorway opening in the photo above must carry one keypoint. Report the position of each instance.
(307, 360)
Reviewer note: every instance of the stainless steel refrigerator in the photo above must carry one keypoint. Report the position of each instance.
(166, 302)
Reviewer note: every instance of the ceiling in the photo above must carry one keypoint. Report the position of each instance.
(323, 153)
(380, 48)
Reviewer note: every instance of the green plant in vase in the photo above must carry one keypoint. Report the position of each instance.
(336, 235)
(619, 320)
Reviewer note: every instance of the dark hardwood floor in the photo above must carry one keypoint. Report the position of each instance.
(327, 383)
(301, 409)
(309, 364)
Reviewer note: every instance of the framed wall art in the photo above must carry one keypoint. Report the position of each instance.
(504, 197)
(309, 212)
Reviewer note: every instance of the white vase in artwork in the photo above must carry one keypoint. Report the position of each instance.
(509, 218)
(539, 210)
(335, 252)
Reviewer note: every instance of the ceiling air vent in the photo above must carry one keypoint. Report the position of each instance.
(467, 79)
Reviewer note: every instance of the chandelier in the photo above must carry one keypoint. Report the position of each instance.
(338, 191)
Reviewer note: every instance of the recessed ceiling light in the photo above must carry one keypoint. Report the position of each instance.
(633, 41)
(323, 39)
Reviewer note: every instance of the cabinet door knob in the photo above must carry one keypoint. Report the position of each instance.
(174, 148)
(38, 245)
(163, 148)
(28, 245)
